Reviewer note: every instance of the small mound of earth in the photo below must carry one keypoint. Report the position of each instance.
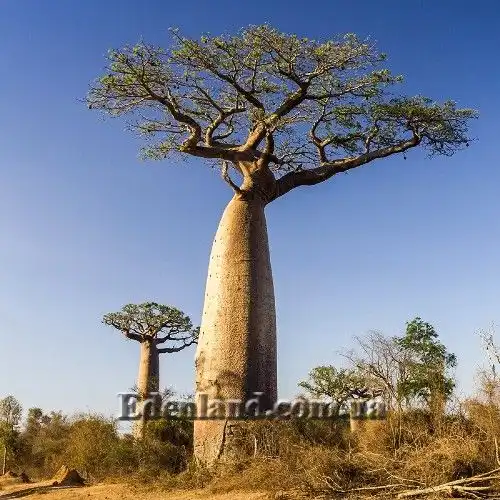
(67, 477)
(13, 478)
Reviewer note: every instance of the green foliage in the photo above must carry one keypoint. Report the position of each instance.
(429, 363)
(337, 385)
(9, 440)
(10, 417)
(89, 445)
(48, 441)
(10, 411)
(176, 431)
(210, 96)
(155, 322)
(92, 444)
(153, 456)
(148, 316)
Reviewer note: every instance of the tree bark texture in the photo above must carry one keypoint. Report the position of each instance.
(147, 382)
(236, 353)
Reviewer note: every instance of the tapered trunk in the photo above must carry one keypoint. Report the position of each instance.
(147, 382)
(236, 354)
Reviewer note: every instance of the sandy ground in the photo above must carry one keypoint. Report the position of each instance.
(42, 491)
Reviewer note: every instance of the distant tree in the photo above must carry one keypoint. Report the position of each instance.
(410, 369)
(491, 347)
(52, 440)
(34, 421)
(334, 384)
(10, 418)
(428, 366)
(489, 381)
(10, 411)
(159, 329)
(383, 364)
(280, 112)
(90, 444)
(29, 436)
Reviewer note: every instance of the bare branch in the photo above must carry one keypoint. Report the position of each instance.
(325, 172)
(221, 117)
(227, 177)
(169, 350)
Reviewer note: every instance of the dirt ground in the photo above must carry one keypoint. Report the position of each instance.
(43, 491)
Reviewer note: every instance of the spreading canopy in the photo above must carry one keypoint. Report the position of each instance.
(339, 384)
(265, 100)
(156, 323)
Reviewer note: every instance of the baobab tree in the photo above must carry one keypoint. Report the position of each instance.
(279, 112)
(159, 329)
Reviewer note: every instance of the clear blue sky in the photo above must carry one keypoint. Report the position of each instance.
(87, 227)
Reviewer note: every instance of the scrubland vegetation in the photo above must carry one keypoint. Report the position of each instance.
(428, 438)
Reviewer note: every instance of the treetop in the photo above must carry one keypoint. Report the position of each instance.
(266, 100)
(154, 322)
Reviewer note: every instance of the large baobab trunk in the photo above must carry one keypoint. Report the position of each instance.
(236, 354)
(147, 382)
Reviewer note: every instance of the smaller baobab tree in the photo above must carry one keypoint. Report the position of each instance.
(159, 329)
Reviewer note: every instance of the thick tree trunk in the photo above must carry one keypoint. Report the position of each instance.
(236, 354)
(147, 382)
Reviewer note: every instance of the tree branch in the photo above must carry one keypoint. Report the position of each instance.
(324, 172)
(170, 103)
(132, 336)
(162, 340)
(227, 177)
(169, 350)
(197, 54)
(290, 102)
(221, 117)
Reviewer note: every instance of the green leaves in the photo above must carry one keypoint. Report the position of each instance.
(10, 411)
(332, 383)
(215, 95)
(429, 362)
(151, 321)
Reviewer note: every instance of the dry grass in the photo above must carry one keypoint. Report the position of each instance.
(307, 457)
(423, 456)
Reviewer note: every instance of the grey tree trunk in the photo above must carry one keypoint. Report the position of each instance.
(236, 353)
(147, 382)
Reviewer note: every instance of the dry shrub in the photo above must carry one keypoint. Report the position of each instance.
(484, 417)
(291, 455)
(412, 430)
(90, 444)
(311, 469)
(373, 437)
(321, 468)
(271, 463)
(445, 459)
